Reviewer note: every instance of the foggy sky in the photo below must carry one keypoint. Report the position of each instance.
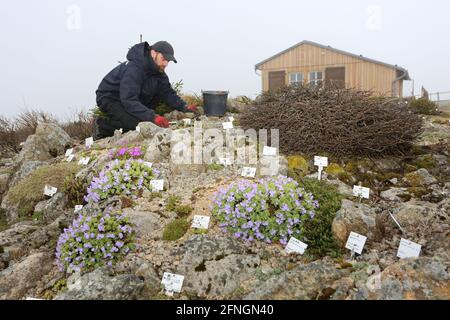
(55, 53)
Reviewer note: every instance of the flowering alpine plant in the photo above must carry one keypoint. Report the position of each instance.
(121, 177)
(271, 210)
(94, 239)
(124, 153)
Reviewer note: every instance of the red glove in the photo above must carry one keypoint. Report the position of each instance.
(161, 122)
(191, 108)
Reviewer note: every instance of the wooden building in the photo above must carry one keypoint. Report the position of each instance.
(313, 63)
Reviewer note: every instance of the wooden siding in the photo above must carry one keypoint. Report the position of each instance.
(359, 74)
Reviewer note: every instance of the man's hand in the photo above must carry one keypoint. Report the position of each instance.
(191, 108)
(161, 122)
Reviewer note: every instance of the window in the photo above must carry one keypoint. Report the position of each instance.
(315, 78)
(296, 77)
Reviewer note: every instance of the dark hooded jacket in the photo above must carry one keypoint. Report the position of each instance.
(139, 85)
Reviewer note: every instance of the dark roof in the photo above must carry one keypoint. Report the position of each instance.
(404, 71)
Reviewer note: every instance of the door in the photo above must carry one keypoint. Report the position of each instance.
(276, 79)
(335, 77)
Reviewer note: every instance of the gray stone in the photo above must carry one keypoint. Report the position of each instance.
(413, 213)
(25, 170)
(304, 282)
(53, 207)
(356, 217)
(393, 194)
(99, 285)
(420, 178)
(146, 222)
(18, 278)
(214, 266)
(48, 142)
(149, 129)
(158, 149)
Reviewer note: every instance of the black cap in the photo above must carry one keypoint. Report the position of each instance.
(165, 49)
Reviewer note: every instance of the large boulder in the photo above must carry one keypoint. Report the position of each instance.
(423, 278)
(48, 142)
(99, 285)
(214, 266)
(18, 278)
(420, 178)
(356, 217)
(158, 149)
(304, 282)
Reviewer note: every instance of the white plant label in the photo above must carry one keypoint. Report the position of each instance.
(295, 245)
(148, 164)
(356, 242)
(361, 192)
(172, 282)
(84, 161)
(157, 185)
(78, 208)
(231, 119)
(89, 142)
(50, 191)
(187, 122)
(320, 161)
(248, 172)
(225, 161)
(227, 125)
(408, 249)
(269, 151)
(121, 130)
(68, 152)
(200, 222)
(138, 129)
(70, 158)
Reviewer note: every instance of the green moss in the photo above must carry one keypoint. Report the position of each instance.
(298, 163)
(183, 211)
(28, 192)
(215, 167)
(38, 216)
(200, 231)
(3, 220)
(426, 161)
(417, 192)
(175, 229)
(410, 168)
(321, 241)
(172, 202)
(337, 171)
(58, 287)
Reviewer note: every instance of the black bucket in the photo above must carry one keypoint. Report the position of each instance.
(215, 102)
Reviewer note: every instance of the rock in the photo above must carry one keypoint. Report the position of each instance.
(53, 207)
(437, 193)
(158, 149)
(356, 217)
(342, 188)
(187, 169)
(393, 194)
(272, 166)
(214, 266)
(413, 213)
(304, 282)
(149, 129)
(18, 278)
(48, 142)
(99, 285)
(146, 222)
(420, 178)
(5, 175)
(25, 170)
(414, 279)
(387, 165)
